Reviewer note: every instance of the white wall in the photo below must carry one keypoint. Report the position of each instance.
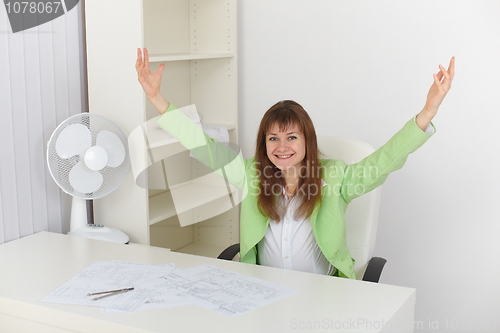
(362, 69)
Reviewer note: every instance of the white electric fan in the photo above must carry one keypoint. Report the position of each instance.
(88, 158)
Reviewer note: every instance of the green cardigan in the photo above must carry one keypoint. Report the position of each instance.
(343, 184)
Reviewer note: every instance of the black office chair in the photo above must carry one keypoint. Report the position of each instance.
(361, 215)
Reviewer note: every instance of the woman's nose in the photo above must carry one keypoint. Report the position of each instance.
(283, 144)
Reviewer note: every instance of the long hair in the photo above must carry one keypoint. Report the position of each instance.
(286, 114)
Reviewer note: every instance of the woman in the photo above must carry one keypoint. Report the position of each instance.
(292, 215)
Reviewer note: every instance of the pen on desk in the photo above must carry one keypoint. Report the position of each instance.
(109, 293)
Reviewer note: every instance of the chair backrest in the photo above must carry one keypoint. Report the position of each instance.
(362, 213)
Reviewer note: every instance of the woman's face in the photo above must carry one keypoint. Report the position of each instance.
(286, 149)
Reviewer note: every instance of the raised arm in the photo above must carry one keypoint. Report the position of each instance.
(216, 155)
(151, 82)
(437, 92)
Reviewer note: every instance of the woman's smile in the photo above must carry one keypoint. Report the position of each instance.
(284, 156)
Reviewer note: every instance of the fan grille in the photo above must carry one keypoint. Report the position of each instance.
(60, 167)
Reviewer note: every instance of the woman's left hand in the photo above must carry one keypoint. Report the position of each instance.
(437, 92)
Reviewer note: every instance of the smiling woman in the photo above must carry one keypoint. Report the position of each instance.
(293, 214)
(287, 145)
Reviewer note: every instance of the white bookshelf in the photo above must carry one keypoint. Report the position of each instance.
(197, 41)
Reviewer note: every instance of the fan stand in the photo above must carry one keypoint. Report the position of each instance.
(82, 224)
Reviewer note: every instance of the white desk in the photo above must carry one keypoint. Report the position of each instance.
(33, 266)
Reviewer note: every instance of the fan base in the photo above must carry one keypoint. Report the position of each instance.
(100, 232)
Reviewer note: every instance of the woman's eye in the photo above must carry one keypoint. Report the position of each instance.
(272, 139)
(292, 137)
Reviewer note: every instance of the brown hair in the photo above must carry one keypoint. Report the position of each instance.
(286, 114)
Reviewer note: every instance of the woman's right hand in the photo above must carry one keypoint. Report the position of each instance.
(150, 82)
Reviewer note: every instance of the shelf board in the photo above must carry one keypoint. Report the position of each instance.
(157, 137)
(161, 207)
(192, 195)
(188, 56)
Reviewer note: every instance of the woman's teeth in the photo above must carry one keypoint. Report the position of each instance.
(284, 156)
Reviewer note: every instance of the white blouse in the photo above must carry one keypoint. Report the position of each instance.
(291, 244)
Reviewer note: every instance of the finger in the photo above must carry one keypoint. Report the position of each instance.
(160, 69)
(444, 72)
(146, 59)
(451, 68)
(437, 80)
(439, 75)
(138, 63)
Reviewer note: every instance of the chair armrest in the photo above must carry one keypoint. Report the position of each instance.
(374, 269)
(230, 252)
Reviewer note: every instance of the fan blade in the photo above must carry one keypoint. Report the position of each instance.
(85, 180)
(113, 146)
(73, 140)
